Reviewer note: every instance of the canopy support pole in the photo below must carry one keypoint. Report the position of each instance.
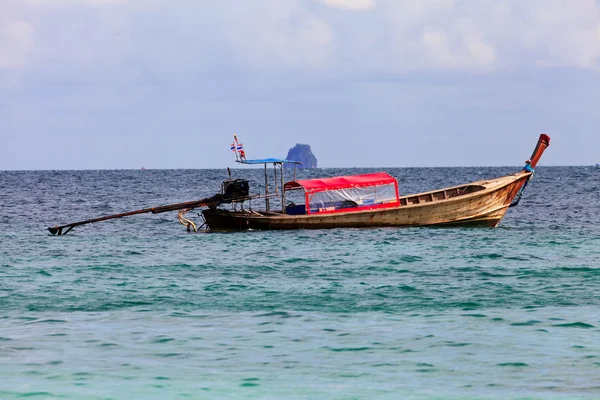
(282, 190)
(275, 177)
(266, 189)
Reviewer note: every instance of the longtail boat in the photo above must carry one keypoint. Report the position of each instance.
(357, 201)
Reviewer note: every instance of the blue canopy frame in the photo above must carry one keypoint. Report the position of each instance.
(269, 161)
(276, 162)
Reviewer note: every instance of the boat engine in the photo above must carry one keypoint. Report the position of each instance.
(232, 190)
(235, 189)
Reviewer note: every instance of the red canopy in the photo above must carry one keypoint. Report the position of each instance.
(341, 182)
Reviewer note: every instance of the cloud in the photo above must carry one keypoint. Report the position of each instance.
(267, 34)
(16, 38)
(161, 39)
(351, 4)
(16, 41)
(481, 52)
(73, 2)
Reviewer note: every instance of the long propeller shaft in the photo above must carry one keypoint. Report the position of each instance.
(206, 202)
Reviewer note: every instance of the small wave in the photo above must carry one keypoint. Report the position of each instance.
(580, 269)
(48, 321)
(342, 349)
(82, 374)
(36, 394)
(410, 259)
(453, 344)
(575, 325)
(423, 364)
(281, 314)
(123, 304)
(407, 288)
(167, 355)
(180, 314)
(513, 364)
(163, 340)
(528, 323)
(494, 275)
(517, 258)
(491, 256)
(297, 260)
(467, 305)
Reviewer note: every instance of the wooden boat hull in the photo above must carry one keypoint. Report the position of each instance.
(481, 203)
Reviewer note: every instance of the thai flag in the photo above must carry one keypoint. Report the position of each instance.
(232, 147)
(240, 147)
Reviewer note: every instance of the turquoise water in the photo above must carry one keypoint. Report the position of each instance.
(139, 308)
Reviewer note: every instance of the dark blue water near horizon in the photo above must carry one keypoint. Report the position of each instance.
(139, 308)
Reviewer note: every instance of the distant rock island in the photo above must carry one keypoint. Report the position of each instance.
(302, 153)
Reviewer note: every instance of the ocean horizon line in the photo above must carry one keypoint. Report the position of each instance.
(318, 168)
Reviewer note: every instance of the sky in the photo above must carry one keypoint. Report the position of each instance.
(121, 84)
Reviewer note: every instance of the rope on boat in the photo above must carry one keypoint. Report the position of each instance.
(517, 198)
(186, 222)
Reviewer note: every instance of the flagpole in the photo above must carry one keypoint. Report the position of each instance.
(239, 148)
(234, 144)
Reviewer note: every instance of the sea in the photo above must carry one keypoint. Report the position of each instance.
(139, 308)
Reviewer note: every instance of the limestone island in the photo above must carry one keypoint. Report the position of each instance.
(302, 153)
